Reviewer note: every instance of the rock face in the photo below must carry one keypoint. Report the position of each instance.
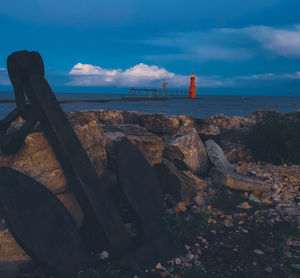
(217, 156)
(160, 123)
(150, 145)
(37, 159)
(237, 181)
(186, 150)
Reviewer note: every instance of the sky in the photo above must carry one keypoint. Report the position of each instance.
(233, 47)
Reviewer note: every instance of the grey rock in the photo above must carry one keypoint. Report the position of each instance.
(296, 266)
(217, 156)
(258, 252)
(237, 181)
(150, 145)
(253, 199)
(186, 150)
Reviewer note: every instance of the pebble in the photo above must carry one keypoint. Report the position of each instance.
(164, 274)
(158, 266)
(244, 205)
(253, 199)
(177, 261)
(197, 262)
(268, 269)
(258, 252)
(296, 266)
(187, 265)
(189, 257)
(104, 255)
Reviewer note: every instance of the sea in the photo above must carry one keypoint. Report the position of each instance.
(204, 106)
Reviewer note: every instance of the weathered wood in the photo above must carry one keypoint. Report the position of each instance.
(41, 224)
(82, 177)
(142, 188)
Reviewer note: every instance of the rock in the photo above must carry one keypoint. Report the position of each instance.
(244, 205)
(110, 117)
(37, 159)
(150, 145)
(237, 181)
(104, 255)
(217, 156)
(199, 201)
(206, 127)
(11, 254)
(295, 266)
(185, 121)
(268, 269)
(177, 261)
(176, 183)
(239, 153)
(186, 150)
(160, 123)
(258, 252)
(253, 199)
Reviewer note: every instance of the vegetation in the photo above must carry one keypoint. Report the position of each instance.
(275, 138)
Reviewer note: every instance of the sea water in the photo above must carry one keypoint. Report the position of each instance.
(203, 106)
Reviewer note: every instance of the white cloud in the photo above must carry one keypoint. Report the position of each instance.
(281, 41)
(229, 44)
(2, 69)
(140, 75)
(272, 76)
(143, 75)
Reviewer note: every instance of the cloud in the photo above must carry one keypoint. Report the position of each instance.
(272, 76)
(143, 75)
(281, 41)
(231, 44)
(140, 75)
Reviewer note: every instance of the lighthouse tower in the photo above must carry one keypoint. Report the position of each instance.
(192, 88)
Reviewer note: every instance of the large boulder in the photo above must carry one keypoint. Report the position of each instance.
(160, 123)
(149, 144)
(186, 150)
(37, 159)
(182, 186)
(237, 181)
(217, 156)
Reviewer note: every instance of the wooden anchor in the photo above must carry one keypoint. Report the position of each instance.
(138, 181)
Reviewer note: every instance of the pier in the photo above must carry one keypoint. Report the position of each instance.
(156, 93)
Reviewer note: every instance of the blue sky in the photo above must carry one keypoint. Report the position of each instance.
(246, 47)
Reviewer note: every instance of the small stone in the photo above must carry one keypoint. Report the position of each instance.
(253, 199)
(187, 247)
(197, 262)
(245, 231)
(296, 266)
(164, 274)
(187, 265)
(189, 257)
(199, 201)
(181, 207)
(244, 205)
(104, 255)
(177, 261)
(268, 269)
(258, 252)
(158, 266)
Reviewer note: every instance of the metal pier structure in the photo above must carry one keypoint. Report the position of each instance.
(156, 93)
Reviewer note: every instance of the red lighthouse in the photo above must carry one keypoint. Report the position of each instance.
(192, 89)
